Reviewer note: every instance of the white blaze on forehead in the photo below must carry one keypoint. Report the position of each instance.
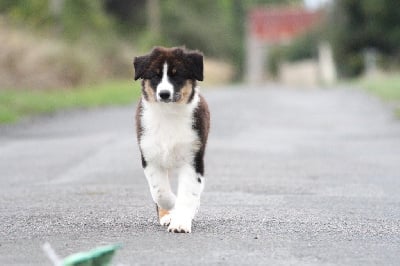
(165, 85)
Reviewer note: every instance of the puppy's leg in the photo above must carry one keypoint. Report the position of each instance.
(160, 189)
(191, 185)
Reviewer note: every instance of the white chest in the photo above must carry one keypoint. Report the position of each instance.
(168, 138)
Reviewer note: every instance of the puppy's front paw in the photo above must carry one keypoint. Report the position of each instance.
(163, 216)
(165, 220)
(180, 223)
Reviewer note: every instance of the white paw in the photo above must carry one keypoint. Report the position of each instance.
(165, 220)
(180, 223)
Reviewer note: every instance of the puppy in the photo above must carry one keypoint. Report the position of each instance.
(172, 123)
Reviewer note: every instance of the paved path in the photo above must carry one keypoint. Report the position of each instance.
(293, 178)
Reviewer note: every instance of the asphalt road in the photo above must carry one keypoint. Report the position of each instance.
(294, 177)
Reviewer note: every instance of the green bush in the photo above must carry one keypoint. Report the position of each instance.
(356, 25)
(198, 24)
(304, 47)
(84, 17)
(76, 17)
(33, 12)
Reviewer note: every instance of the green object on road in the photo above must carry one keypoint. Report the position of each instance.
(100, 256)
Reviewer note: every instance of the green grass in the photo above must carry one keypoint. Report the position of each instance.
(386, 87)
(15, 104)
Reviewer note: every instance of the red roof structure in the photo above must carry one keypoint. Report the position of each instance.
(281, 24)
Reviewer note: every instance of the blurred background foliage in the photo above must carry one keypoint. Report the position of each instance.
(111, 32)
(57, 44)
(73, 17)
(356, 26)
(303, 47)
(58, 54)
(101, 37)
(353, 28)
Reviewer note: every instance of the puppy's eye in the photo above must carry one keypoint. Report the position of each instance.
(158, 72)
(173, 71)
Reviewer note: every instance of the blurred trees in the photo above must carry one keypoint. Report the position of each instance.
(33, 12)
(357, 26)
(215, 27)
(74, 18)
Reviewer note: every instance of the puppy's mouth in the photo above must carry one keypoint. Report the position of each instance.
(165, 100)
(176, 98)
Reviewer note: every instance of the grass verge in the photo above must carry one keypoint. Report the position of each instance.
(15, 104)
(386, 87)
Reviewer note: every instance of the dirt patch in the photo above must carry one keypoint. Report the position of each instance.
(217, 72)
(40, 62)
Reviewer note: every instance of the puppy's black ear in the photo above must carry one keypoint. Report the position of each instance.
(195, 64)
(140, 64)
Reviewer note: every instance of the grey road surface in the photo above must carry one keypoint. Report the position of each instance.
(294, 177)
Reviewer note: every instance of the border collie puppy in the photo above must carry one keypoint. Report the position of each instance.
(172, 124)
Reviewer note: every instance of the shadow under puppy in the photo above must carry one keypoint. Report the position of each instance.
(172, 124)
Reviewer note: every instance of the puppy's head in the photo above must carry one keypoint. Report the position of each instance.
(169, 74)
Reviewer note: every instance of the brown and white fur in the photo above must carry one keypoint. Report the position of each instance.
(172, 123)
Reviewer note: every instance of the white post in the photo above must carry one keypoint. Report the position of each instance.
(255, 59)
(326, 64)
(370, 62)
(55, 7)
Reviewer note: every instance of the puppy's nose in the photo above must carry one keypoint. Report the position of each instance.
(164, 95)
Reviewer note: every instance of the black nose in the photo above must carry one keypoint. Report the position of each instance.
(164, 95)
